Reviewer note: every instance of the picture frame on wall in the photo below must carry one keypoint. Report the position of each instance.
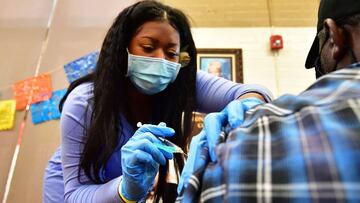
(226, 63)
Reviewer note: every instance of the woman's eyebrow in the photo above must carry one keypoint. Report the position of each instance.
(170, 44)
(150, 38)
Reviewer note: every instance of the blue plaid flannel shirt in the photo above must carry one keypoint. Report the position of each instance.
(302, 148)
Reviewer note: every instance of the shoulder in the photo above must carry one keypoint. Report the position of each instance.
(78, 100)
(81, 93)
(76, 110)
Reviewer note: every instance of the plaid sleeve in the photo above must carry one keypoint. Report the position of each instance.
(309, 152)
(286, 161)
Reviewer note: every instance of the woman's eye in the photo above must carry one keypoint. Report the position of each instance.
(172, 54)
(148, 48)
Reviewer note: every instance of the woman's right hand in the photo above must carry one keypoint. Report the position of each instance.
(140, 160)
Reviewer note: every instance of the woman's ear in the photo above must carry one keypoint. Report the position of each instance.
(337, 39)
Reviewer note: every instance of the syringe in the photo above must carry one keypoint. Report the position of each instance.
(169, 146)
(166, 145)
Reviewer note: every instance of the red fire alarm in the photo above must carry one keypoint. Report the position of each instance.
(276, 42)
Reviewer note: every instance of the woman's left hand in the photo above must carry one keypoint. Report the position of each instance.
(233, 114)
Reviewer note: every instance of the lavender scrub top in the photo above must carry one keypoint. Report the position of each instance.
(61, 175)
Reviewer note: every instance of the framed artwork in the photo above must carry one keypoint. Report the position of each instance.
(226, 63)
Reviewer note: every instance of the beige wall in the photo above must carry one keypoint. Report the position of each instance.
(78, 28)
(282, 72)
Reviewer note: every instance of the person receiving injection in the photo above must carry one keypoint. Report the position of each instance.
(146, 72)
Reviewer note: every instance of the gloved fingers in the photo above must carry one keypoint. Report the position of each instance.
(251, 102)
(146, 146)
(146, 135)
(158, 130)
(162, 124)
(213, 123)
(190, 162)
(153, 139)
(168, 155)
(145, 158)
(137, 163)
(194, 145)
(196, 139)
(236, 110)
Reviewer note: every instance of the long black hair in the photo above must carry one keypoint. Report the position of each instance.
(175, 105)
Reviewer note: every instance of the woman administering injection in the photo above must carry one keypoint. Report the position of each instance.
(146, 72)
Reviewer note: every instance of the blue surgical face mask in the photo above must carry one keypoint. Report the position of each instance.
(151, 75)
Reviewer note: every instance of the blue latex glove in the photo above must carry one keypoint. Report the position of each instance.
(194, 160)
(233, 114)
(140, 160)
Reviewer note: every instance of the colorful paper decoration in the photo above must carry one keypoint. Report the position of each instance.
(47, 110)
(81, 67)
(39, 88)
(7, 114)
